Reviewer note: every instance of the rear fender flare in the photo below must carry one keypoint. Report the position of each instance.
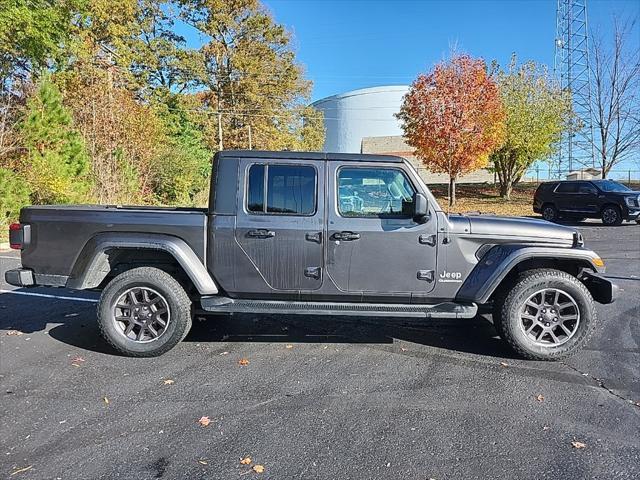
(92, 264)
(496, 264)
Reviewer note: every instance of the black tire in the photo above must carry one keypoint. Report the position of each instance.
(550, 213)
(143, 281)
(510, 311)
(611, 215)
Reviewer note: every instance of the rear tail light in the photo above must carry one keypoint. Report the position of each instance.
(16, 236)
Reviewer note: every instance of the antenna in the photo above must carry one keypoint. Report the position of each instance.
(571, 69)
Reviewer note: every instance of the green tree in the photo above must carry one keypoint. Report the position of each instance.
(56, 164)
(14, 194)
(158, 56)
(184, 169)
(537, 112)
(252, 84)
(32, 33)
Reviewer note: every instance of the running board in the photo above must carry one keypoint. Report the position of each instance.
(441, 310)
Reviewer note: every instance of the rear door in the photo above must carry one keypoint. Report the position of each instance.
(279, 225)
(374, 247)
(565, 196)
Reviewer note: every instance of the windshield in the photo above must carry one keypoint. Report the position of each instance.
(611, 186)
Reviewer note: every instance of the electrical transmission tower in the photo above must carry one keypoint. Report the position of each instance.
(571, 67)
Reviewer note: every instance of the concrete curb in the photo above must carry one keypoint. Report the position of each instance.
(4, 247)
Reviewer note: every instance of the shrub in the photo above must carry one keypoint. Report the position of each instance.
(14, 194)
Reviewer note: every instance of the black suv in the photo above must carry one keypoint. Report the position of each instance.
(579, 199)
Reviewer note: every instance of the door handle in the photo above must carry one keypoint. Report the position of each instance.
(261, 233)
(346, 236)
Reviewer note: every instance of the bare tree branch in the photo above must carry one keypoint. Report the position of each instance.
(615, 72)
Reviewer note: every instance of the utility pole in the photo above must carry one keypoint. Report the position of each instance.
(219, 113)
(250, 139)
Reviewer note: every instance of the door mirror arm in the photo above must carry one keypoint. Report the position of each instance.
(420, 208)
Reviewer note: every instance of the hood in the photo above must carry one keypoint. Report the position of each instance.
(520, 227)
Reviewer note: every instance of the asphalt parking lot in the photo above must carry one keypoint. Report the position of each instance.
(320, 397)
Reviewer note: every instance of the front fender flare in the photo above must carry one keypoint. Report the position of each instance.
(496, 264)
(92, 265)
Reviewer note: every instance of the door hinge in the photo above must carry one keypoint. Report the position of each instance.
(312, 272)
(426, 275)
(427, 240)
(314, 237)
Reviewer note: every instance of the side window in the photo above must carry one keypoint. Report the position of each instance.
(374, 193)
(290, 189)
(586, 188)
(567, 187)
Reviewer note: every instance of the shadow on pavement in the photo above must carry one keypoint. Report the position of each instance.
(75, 325)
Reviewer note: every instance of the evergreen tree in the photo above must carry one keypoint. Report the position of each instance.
(184, 170)
(56, 165)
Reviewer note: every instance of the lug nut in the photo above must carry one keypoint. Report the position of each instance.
(546, 324)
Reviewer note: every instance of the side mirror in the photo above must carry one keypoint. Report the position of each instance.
(420, 208)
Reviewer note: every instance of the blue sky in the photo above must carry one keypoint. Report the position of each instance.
(353, 44)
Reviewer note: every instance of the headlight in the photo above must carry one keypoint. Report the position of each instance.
(631, 201)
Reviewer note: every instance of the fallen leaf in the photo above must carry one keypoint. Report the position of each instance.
(168, 381)
(203, 462)
(106, 400)
(289, 346)
(76, 361)
(204, 421)
(224, 353)
(578, 445)
(540, 398)
(245, 461)
(243, 362)
(258, 468)
(545, 428)
(22, 469)
(402, 349)
(14, 332)
(504, 364)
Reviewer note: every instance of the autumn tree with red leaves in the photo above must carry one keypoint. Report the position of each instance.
(453, 118)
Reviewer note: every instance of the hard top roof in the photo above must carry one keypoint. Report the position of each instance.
(347, 157)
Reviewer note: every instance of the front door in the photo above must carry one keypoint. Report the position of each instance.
(279, 227)
(374, 247)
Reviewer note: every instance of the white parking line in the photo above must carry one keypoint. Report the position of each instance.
(7, 256)
(44, 295)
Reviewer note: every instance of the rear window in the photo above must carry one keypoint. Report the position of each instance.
(288, 190)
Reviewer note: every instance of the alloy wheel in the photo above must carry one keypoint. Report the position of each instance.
(609, 216)
(141, 314)
(550, 317)
(549, 214)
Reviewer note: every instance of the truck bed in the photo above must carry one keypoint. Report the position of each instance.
(59, 233)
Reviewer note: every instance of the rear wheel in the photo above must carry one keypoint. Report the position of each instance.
(547, 315)
(144, 312)
(550, 213)
(611, 215)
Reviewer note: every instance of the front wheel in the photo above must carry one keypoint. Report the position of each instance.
(547, 315)
(611, 215)
(144, 312)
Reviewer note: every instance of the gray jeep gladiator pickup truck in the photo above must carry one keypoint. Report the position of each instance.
(314, 233)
